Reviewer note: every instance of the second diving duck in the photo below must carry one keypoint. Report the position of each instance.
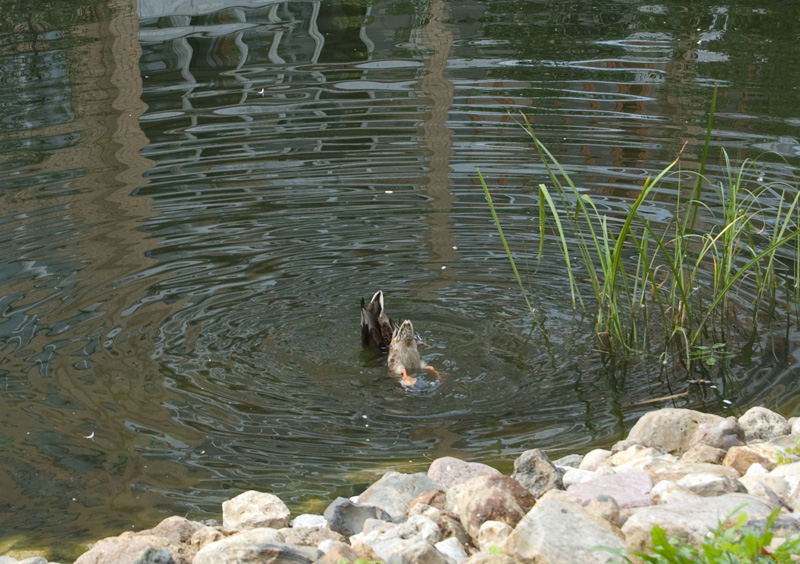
(377, 327)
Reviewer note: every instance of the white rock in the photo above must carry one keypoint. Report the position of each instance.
(493, 533)
(670, 428)
(308, 520)
(257, 544)
(637, 457)
(760, 423)
(388, 539)
(667, 491)
(558, 530)
(419, 552)
(576, 476)
(759, 486)
(756, 469)
(594, 459)
(790, 473)
(253, 509)
(452, 550)
(327, 545)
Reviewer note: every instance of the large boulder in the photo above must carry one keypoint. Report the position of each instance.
(170, 538)
(256, 545)
(670, 428)
(387, 540)
(253, 509)
(492, 498)
(761, 424)
(347, 517)
(127, 549)
(708, 485)
(449, 471)
(558, 530)
(675, 472)
(722, 434)
(395, 492)
(536, 473)
(691, 520)
(628, 489)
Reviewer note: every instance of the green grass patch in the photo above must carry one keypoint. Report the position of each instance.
(723, 545)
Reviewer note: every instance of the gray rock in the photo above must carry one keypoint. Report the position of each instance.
(719, 434)
(703, 453)
(347, 517)
(760, 423)
(149, 556)
(451, 527)
(255, 545)
(569, 461)
(433, 498)
(670, 428)
(536, 473)
(790, 473)
(389, 539)
(708, 485)
(253, 509)
(178, 531)
(764, 487)
(452, 550)
(32, 560)
(204, 536)
(338, 553)
(492, 498)
(690, 520)
(127, 548)
(418, 552)
(629, 489)
(449, 471)
(675, 472)
(486, 558)
(606, 508)
(394, 492)
(309, 536)
(558, 530)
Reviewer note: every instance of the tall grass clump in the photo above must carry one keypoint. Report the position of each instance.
(676, 286)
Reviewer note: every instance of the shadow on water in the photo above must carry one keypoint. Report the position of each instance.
(185, 242)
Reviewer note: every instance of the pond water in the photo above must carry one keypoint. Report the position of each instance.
(194, 202)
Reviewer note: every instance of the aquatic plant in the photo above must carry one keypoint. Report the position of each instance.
(680, 279)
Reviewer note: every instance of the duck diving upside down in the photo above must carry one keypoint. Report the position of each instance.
(378, 330)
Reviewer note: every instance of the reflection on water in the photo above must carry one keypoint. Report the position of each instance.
(185, 243)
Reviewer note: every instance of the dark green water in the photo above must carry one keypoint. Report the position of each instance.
(193, 204)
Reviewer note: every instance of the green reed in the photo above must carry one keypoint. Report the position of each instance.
(673, 285)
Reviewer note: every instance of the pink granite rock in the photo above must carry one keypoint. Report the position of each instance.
(449, 471)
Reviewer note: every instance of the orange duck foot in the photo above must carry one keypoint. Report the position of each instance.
(407, 380)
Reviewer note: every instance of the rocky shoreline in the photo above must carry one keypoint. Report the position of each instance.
(681, 469)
